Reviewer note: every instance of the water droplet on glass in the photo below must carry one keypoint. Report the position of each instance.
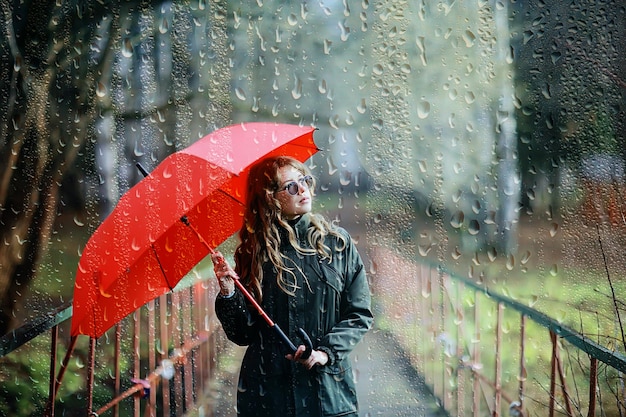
(164, 26)
(554, 270)
(469, 38)
(362, 106)
(492, 254)
(554, 228)
(127, 48)
(510, 262)
(101, 90)
(241, 95)
(424, 249)
(457, 219)
(423, 109)
(473, 227)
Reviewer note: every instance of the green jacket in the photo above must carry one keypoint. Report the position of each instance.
(332, 305)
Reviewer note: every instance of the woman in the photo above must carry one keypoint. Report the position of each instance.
(305, 273)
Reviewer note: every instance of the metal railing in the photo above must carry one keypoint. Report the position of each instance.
(474, 346)
(159, 361)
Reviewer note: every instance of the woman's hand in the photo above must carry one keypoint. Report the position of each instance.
(224, 274)
(317, 357)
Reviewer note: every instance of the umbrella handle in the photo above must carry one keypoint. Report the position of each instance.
(305, 337)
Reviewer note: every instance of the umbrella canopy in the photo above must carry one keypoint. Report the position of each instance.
(143, 249)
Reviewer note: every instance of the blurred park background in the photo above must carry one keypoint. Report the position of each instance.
(481, 138)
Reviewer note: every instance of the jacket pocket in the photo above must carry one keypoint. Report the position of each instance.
(331, 276)
(337, 389)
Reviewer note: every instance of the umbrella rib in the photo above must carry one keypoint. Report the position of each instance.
(229, 195)
(161, 266)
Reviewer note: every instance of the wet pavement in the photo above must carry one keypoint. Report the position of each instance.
(386, 383)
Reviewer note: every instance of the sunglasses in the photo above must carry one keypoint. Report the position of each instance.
(293, 187)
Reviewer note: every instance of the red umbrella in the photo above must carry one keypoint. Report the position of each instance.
(143, 248)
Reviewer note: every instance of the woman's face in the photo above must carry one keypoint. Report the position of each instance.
(298, 204)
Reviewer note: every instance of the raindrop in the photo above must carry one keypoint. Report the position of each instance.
(17, 65)
(474, 227)
(469, 38)
(127, 48)
(296, 92)
(78, 222)
(362, 107)
(492, 254)
(292, 19)
(164, 26)
(491, 217)
(322, 88)
(241, 95)
(451, 121)
(554, 270)
(510, 262)
(430, 210)
(424, 249)
(470, 97)
(457, 219)
(138, 151)
(345, 31)
(502, 116)
(101, 89)
(554, 228)
(423, 109)
(327, 45)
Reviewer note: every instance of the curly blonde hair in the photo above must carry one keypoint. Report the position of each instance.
(260, 237)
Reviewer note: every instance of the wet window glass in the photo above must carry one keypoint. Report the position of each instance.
(473, 150)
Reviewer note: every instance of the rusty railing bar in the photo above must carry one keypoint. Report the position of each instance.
(566, 396)
(552, 375)
(613, 359)
(164, 320)
(498, 375)
(118, 357)
(53, 371)
(152, 355)
(136, 357)
(593, 380)
(178, 357)
(476, 355)
(522, 368)
(91, 374)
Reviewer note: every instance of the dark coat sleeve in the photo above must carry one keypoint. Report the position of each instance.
(238, 322)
